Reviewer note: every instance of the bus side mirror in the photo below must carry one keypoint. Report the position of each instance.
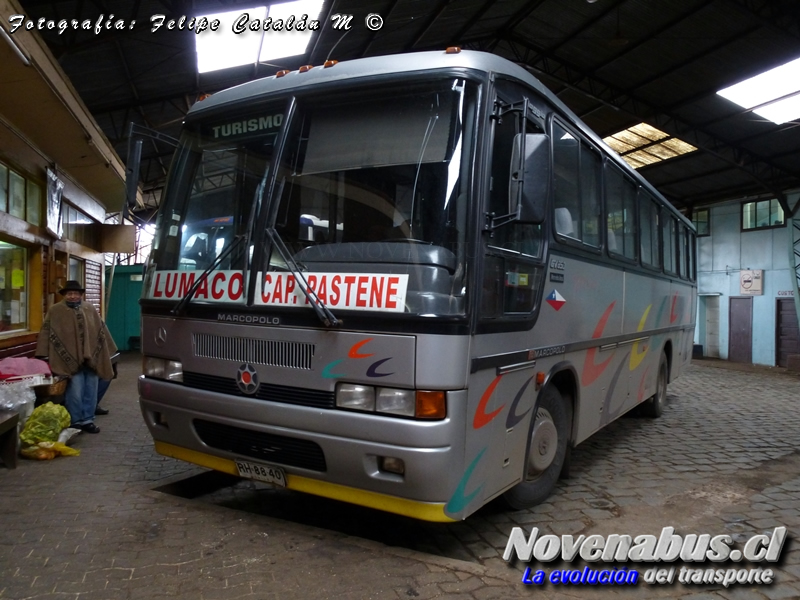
(530, 177)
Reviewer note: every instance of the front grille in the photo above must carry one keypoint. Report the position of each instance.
(276, 449)
(275, 353)
(269, 392)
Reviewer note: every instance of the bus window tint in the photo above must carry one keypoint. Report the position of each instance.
(218, 173)
(648, 230)
(576, 176)
(566, 190)
(378, 183)
(590, 196)
(668, 236)
(620, 214)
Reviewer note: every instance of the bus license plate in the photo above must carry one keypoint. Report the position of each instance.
(264, 473)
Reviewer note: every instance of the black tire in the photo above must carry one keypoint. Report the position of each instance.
(547, 450)
(653, 407)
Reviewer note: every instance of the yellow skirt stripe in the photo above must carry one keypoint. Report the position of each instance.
(426, 511)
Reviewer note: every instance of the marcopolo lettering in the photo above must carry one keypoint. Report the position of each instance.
(247, 126)
(248, 319)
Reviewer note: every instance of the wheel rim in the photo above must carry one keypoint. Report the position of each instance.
(544, 443)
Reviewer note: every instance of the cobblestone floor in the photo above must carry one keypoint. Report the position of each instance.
(120, 522)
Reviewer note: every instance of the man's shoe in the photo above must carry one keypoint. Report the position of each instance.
(100, 411)
(88, 428)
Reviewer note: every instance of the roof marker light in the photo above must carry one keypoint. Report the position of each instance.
(453, 50)
(282, 73)
(305, 68)
(330, 63)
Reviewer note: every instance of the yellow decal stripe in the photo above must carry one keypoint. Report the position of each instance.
(425, 511)
(636, 356)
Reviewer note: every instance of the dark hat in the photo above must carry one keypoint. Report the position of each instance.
(71, 286)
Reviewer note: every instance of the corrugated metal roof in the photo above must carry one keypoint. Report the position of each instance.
(616, 63)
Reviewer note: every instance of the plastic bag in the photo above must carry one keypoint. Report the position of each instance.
(48, 451)
(18, 397)
(45, 424)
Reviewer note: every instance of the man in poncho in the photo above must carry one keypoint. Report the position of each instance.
(78, 344)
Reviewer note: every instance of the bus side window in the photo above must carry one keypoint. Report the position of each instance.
(668, 238)
(620, 213)
(576, 170)
(648, 228)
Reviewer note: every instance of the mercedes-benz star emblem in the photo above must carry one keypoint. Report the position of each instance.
(160, 337)
(247, 379)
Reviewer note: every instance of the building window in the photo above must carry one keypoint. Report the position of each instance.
(76, 270)
(3, 188)
(13, 288)
(762, 214)
(77, 226)
(20, 197)
(702, 221)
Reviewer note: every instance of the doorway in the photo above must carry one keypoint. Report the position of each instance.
(740, 341)
(787, 333)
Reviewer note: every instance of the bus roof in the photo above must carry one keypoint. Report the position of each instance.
(399, 64)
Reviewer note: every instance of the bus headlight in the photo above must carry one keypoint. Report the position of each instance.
(420, 404)
(395, 401)
(355, 397)
(162, 368)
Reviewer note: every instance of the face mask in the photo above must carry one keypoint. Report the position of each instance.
(73, 304)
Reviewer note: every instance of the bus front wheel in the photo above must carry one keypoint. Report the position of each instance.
(546, 452)
(653, 407)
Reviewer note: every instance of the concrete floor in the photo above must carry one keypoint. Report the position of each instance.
(120, 522)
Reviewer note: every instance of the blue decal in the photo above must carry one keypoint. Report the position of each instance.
(326, 372)
(459, 501)
(372, 371)
(513, 418)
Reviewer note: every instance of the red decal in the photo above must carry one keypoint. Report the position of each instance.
(591, 371)
(672, 316)
(354, 351)
(481, 417)
(640, 397)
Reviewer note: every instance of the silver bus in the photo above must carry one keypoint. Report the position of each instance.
(410, 282)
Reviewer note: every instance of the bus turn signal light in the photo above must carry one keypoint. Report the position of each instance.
(431, 405)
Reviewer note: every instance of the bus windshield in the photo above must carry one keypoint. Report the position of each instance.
(377, 184)
(371, 201)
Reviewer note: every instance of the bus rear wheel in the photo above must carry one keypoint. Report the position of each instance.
(546, 452)
(653, 407)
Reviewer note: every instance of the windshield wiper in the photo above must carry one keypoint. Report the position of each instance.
(184, 301)
(323, 312)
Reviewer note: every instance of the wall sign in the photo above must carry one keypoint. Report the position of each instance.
(750, 282)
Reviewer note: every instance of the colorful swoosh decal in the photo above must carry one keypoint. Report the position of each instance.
(481, 418)
(372, 371)
(608, 416)
(513, 418)
(354, 351)
(459, 501)
(673, 316)
(640, 395)
(592, 371)
(326, 372)
(636, 356)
